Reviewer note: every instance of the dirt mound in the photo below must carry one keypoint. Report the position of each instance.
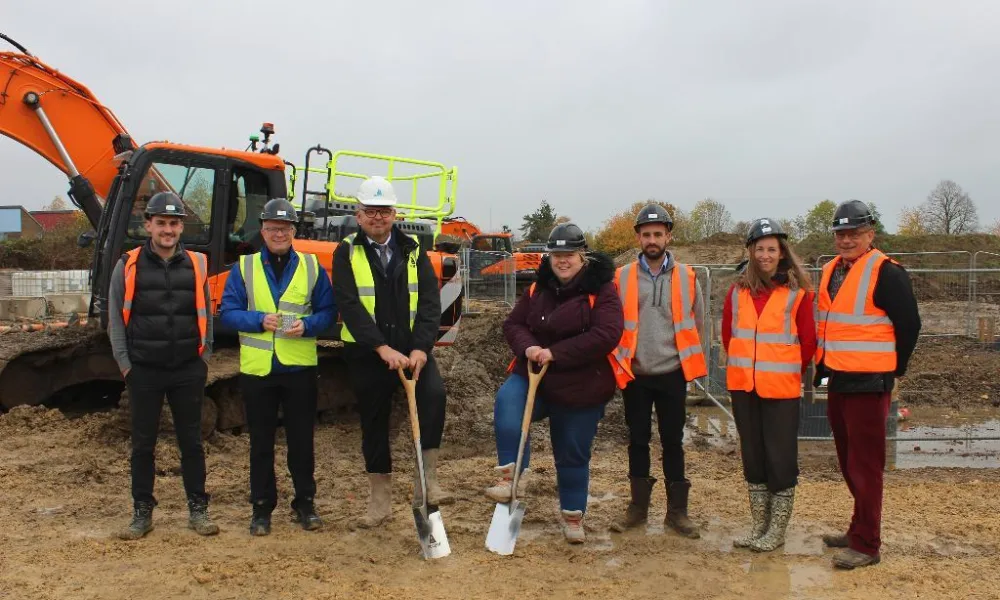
(952, 371)
(473, 369)
(22, 420)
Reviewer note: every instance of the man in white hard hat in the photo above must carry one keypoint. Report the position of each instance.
(389, 301)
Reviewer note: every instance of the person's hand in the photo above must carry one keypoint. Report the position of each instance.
(532, 352)
(395, 360)
(271, 322)
(297, 329)
(544, 356)
(126, 372)
(418, 358)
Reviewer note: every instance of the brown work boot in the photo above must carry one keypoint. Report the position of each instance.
(379, 501)
(435, 495)
(572, 523)
(638, 508)
(677, 504)
(836, 540)
(500, 491)
(850, 558)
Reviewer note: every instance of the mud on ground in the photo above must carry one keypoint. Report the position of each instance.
(64, 493)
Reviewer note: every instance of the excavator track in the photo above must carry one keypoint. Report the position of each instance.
(37, 366)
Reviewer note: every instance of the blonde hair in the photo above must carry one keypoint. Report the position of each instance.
(755, 280)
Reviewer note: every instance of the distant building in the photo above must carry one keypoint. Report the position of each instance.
(53, 219)
(16, 222)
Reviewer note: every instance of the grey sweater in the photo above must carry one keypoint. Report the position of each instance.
(656, 351)
(116, 323)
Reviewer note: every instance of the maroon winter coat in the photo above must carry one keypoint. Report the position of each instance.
(580, 338)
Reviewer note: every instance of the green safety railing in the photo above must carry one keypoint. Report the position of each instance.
(441, 207)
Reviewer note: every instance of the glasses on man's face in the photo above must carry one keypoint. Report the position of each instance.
(371, 213)
(277, 230)
(851, 234)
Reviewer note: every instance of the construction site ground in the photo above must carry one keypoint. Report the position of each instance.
(64, 492)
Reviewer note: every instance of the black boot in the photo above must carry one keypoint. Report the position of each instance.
(142, 521)
(260, 522)
(638, 508)
(305, 514)
(198, 518)
(677, 505)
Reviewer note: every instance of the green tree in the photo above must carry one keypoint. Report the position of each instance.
(538, 224)
(707, 218)
(819, 219)
(879, 226)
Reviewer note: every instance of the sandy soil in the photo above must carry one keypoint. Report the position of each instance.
(64, 493)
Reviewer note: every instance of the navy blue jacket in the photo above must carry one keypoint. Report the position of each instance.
(234, 315)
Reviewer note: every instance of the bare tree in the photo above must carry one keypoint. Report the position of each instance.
(949, 210)
(57, 204)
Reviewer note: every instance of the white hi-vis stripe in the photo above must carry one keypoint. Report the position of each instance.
(861, 346)
(248, 281)
(253, 342)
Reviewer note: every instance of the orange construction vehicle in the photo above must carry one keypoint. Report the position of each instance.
(495, 254)
(111, 178)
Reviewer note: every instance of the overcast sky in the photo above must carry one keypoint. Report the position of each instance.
(766, 105)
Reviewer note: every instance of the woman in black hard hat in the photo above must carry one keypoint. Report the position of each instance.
(769, 334)
(571, 319)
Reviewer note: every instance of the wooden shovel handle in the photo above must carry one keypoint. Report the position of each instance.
(533, 380)
(411, 401)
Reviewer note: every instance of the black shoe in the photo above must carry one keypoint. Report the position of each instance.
(260, 522)
(199, 519)
(304, 513)
(142, 522)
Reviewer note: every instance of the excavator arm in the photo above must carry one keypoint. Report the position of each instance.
(60, 119)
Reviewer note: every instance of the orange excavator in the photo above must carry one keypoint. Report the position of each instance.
(111, 177)
(495, 254)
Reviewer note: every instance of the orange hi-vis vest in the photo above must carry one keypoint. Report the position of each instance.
(622, 377)
(688, 341)
(853, 334)
(200, 277)
(764, 353)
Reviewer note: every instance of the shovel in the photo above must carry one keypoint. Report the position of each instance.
(430, 527)
(507, 517)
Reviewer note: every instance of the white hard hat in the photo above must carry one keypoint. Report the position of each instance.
(376, 191)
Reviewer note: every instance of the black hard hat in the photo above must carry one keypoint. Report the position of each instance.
(279, 209)
(852, 215)
(566, 236)
(653, 213)
(763, 228)
(165, 204)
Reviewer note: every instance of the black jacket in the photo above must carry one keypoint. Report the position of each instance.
(392, 312)
(163, 329)
(893, 294)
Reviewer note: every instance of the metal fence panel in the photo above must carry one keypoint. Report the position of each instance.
(39, 283)
(489, 277)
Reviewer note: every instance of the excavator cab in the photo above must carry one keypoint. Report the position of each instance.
(222, 196)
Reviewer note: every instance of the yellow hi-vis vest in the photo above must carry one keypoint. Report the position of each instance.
(258, 349)
(364, 279)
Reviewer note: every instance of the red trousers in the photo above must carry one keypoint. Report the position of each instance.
(858, 423)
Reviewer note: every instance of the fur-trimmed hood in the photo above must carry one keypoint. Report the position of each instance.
(599, 270)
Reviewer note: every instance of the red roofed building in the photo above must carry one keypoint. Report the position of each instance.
(53, 219)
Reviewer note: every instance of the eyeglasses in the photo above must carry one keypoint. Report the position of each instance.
(284, 229)
(852, 234)
(371, 213)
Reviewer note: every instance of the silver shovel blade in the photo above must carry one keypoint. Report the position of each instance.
(505, 527)
(430, 532)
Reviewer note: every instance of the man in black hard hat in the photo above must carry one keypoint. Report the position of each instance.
(279, 300)
(868, 323)
(161, 336)
(661, 348)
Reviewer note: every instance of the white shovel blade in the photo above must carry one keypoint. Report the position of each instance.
(436, 545)
(504, 528)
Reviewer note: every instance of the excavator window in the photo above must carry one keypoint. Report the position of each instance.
(247, 196)
(194, 185)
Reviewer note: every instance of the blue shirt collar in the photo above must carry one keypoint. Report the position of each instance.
(667, 264)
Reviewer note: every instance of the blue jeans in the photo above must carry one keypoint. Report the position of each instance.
(572, 431)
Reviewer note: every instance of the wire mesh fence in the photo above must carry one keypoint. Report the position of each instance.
(40, 283)
(489, 278)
